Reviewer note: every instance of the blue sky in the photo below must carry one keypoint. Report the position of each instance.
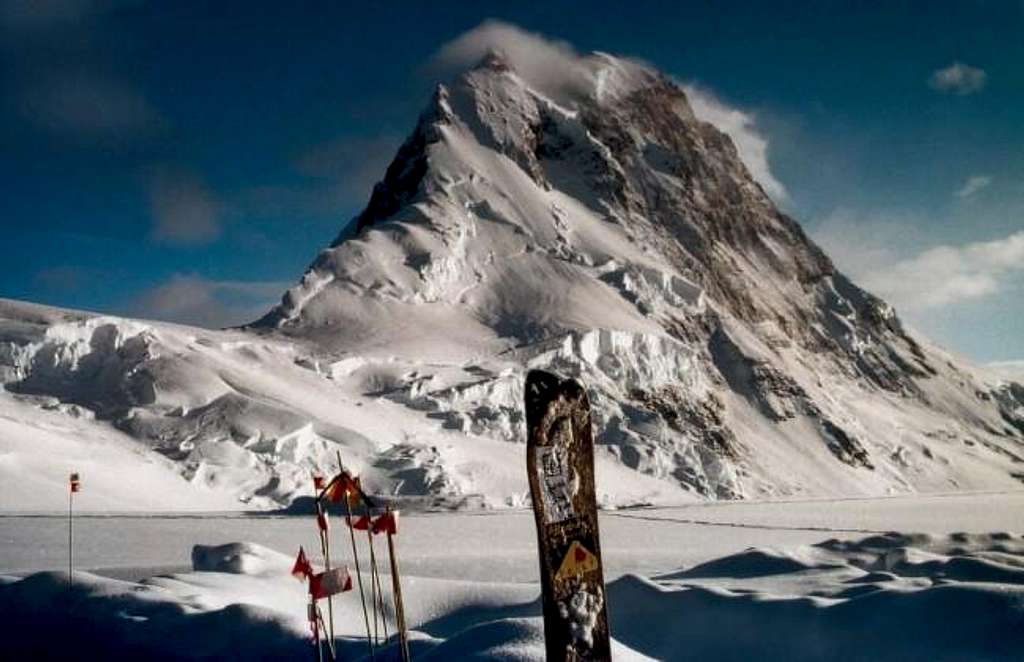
(187, 162)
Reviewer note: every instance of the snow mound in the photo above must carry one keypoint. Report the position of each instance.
(240, 558)
(751, 563)
(99, 618)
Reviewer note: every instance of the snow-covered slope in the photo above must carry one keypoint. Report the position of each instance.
(158, 416)
(602, 232)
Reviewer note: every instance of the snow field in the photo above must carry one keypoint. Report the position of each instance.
(776, 581)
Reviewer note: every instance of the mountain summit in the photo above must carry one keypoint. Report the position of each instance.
(590, 224)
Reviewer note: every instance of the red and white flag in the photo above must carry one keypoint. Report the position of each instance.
(330, 582)
(75, 482)
(386, 523)
(302, 568)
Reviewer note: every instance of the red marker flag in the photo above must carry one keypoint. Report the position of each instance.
(387, 523)
(76, 484)
(361, 524)
(330, 582)
(302, 568)
(337, 488)
(344, 486)
(318, 482)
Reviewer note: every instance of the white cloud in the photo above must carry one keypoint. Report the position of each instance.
(556, 69)
(741, 126)
(958, 78)
(972, 186)
(1012, 370)
(89, 106)
(552, 66)
(194, 300)
(933, 278)
(183, 208)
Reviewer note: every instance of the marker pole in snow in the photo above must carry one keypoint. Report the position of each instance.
(315, 621)
(71, 533)
(374, 601)
(396, 587)
(355, 555)
(378, 605)
(325, 546)
(359, 576)
(325, 549)
(74, 484)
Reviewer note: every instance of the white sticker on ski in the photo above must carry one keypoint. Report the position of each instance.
(557, 487)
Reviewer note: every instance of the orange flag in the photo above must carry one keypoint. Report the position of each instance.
(302, 568)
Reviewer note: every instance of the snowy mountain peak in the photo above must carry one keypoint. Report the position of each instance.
(496, 60)
(583, 221)
(518, 214)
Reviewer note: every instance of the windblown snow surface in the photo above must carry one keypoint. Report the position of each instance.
(811, 580)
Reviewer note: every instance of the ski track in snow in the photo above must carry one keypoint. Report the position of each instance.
(743, 525)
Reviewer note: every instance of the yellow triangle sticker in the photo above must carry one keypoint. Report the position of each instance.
(578, 560)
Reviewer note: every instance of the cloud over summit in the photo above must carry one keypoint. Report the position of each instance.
(552, 66)
(741, 126)
(556, 69)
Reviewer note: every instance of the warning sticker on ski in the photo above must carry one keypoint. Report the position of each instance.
(578, 561)
(556, 484)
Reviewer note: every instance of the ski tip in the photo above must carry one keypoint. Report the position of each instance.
(543, 387)
(539, 383)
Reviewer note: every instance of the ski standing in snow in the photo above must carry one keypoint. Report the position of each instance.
(560, 467)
